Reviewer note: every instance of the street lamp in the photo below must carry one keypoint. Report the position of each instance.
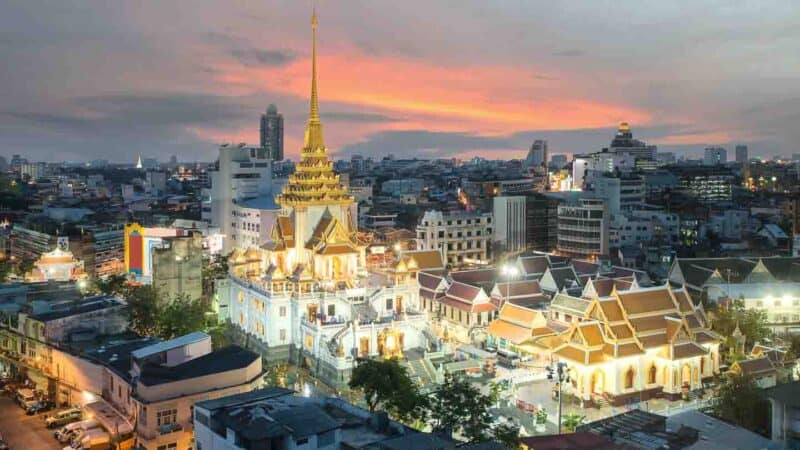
(561, 376)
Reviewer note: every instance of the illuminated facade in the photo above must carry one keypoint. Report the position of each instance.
(636, 344)
(305, 295)
(57, 265)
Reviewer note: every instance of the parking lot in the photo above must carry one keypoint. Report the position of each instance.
(23, 432)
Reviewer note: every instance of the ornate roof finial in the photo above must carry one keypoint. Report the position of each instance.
(314, 138)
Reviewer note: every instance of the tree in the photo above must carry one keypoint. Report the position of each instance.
(572, 421)
(386, 384)
(143, 308)
(752, 323)
(459, 406)
(739, 401)
(112, 285)
(214, 268)
(180, 316)
(507, 434)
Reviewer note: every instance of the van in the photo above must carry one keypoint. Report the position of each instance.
(66, 432)
(26, 397)
(94, 439)
(63, 417)
(507, 359)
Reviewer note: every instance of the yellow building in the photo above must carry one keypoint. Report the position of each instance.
(638, 343)
(314, 237)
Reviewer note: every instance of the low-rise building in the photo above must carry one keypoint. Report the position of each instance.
(464, 238)
(157, 385)
(583, 228)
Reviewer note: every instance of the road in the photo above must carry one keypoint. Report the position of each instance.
(23, 432)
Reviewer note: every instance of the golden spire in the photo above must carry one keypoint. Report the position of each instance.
(314, 140)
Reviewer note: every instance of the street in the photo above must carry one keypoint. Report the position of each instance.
(23, 432)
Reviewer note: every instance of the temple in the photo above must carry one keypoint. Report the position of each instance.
(57, 265)
(305, 295)
(314, 236)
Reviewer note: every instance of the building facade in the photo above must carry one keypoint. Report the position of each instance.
(463, 238)
(583, 228)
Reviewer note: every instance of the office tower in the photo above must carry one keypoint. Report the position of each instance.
(715, 156)
(537, 155)
(741, 154)
(272, 132)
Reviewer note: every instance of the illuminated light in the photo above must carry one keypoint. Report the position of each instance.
(88, 397)
(306, 390)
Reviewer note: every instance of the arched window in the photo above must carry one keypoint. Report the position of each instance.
(629, 378)
(651, 375)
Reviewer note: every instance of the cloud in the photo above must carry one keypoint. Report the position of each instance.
(342, 116)
(256, 57)
(570, 52)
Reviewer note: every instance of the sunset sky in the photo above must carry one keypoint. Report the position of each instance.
(427, 78)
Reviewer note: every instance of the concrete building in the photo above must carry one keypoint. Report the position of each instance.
(271, 133)
(178, 267)
(278, 419)
(741, 154)
(766, 284)
(715, 156)
(463, 238)
(621, 193)
(785, 404)
(242, 173)
(158, 384)
(538, 154)
(541, 222)
(509, 218)
(583, 228)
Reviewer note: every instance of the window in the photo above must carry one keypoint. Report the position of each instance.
(651, 375)
(331, 310)
(629, 378)
(166, 416)
(389, 304)
(282, 311)
(283, 334)
(172, 446)
(301, 441)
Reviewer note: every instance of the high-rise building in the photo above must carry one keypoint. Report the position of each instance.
(272, 132)
(509, 218)
(537, 155)
(715, 156)
(624, 142)
(741, 154)
(242, 174)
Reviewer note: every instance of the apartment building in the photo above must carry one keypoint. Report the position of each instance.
(463, 238)
(583, 228)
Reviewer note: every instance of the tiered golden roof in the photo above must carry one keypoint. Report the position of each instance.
(314, 182)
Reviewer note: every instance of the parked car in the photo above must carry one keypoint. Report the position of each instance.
(39, 407)
(3, 444)
(63, 417)
(26, 398)
(67, 432)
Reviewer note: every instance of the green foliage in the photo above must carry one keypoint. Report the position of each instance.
(112, 285)
(219, 337)
(143, 308)
(508, 435)
(752, 323)
(386, 383)
(739, 400)
(572, 421)
(214, 268)
(150, 315)
(459, 406)
(277, 375)
(180, 316)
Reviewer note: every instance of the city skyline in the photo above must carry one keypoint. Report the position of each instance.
(397, 81)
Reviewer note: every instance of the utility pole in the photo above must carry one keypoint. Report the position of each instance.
(562, 372)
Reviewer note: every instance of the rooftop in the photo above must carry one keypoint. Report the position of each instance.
(218, 361)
